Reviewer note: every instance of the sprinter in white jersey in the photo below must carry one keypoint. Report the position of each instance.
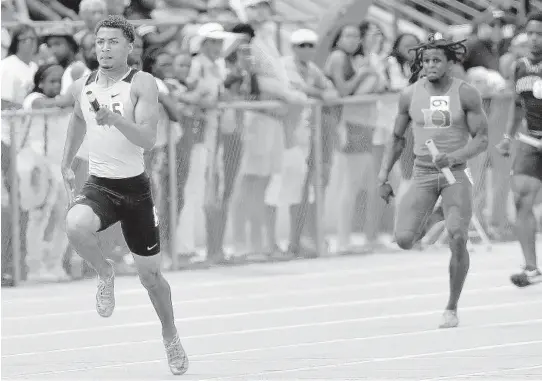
(118, 188)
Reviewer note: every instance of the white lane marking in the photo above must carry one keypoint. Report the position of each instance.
(485, 373)
(243, 297)
(17, 295)
(280, 310)
(377, 360)
(289, 346)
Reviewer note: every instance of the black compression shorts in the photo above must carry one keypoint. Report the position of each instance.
(129, 201)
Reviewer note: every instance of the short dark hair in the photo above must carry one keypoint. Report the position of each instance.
(245, 29)
(149, 58)
(118, 22)
(21, 29)
(536, 16)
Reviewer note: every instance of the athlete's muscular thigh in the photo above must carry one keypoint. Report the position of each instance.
(525, 189)
(457, 204)
(82, 219)
(415, 208)
(140, 227)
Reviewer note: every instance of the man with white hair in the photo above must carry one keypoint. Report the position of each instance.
(207, 75)
(273, 83)
(307, 77)
(91, 12)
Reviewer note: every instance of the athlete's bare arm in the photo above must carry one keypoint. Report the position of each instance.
(503, 147)
(77, 127)
(513, 124)
(142, 131)
(476, 123)
(397, 144)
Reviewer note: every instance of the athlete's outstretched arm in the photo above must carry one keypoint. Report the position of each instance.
(514, 123)
(77, 127)
(476, 123)
(141, 132)
(397, 144)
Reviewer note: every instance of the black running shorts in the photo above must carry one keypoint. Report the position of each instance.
(129, 201)
(528, 161)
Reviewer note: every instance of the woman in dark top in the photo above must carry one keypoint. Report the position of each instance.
(352, 68)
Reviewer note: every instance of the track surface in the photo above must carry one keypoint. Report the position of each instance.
(366, 317)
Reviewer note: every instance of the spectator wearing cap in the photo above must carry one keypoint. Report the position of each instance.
(307, 77)
(207, 75)
(64, 48)
(91, 11)
(268, 132)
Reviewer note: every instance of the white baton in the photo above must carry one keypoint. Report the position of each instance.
(434, 152)
(536, 143)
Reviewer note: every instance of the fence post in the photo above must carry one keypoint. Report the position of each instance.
(318, 194)
(278, 36)
(172, 169)
(15, 205)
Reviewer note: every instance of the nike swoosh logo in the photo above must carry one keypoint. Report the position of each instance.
(114, 95)
(152, 247)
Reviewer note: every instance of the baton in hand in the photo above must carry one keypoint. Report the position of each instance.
(446, 170)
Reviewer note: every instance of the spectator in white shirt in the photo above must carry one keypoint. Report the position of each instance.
(268, 132)
(46, 238)
(307, 77)
(17, 69)
(207, 76)
(17, 76)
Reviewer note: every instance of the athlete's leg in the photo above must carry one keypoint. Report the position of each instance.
(457, 206)
(526, 183)
(151, 277)
(82, 226)
(415, 208)
(525, 190)
(94, 212)
(140, 227)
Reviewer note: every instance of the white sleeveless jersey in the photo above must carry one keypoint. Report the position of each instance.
(111, 154)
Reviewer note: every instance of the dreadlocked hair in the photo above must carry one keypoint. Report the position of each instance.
(454, 51)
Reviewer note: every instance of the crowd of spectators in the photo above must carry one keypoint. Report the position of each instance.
(234, 167)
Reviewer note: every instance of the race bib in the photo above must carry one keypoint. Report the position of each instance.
(438, 114)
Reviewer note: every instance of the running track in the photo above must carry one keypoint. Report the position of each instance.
(365, 317)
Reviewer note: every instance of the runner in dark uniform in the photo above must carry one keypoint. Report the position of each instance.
(527, 168)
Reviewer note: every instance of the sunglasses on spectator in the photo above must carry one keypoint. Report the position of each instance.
(305, 45)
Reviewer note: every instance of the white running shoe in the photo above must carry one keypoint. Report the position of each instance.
(527, 278)
(105, 297)
(449, 319)
(176, 356)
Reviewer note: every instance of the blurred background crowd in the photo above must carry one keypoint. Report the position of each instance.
(241, 182)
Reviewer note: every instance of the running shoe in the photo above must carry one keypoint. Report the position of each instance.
(449, 319)
(176, 356)
(105, 297)
(527, 278)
